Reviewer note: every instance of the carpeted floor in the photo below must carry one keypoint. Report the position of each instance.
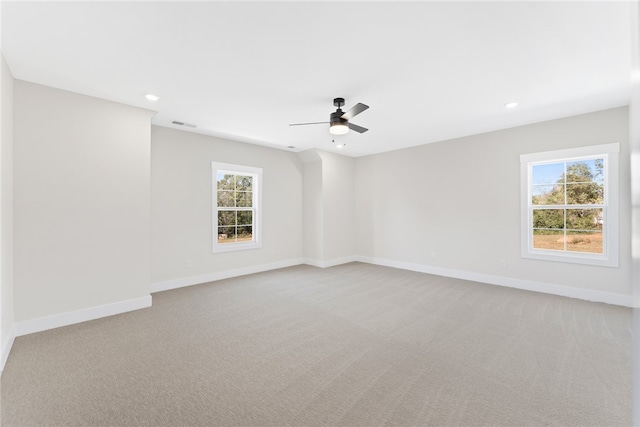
(353, 345)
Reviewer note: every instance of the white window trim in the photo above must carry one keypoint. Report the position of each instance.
(609, 257)
(216, 168)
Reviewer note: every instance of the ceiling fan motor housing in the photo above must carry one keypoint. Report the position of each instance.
(336, 118)
(338, 125)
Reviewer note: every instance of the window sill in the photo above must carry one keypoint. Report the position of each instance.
(573, 258)
(232, 247)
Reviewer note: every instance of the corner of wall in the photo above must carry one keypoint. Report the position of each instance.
(7, 344)
(7, 327)
(634, 143)
(331, 262)
(312, 204)
(309, 156)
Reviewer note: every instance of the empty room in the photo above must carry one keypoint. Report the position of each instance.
(296, 213)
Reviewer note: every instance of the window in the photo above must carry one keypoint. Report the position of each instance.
(570, 205)
(236, 207)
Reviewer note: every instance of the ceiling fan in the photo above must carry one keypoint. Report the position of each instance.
(339, 120)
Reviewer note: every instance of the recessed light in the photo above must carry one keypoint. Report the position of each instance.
(511, 105)
(152, 97)
(339, 145)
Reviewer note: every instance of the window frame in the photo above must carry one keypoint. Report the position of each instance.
(256, 174)
(610, 154)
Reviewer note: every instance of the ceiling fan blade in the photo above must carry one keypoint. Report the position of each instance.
(357, 109)
(357, 128)
(312, 123)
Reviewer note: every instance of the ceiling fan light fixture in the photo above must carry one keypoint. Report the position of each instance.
(338, 128)
(338, 125)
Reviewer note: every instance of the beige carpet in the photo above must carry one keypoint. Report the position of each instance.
(354, 345)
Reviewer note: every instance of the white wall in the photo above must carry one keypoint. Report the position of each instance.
(181, 194)
(312, 210)
(634, 138)
(455, 205)
(337, 206)
(81, 203)
(6, 211)
(329, 236)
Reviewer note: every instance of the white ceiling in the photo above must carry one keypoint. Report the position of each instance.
(430, 71)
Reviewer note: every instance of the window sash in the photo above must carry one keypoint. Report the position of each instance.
(237, 224)
(609, 228)
(236, 228)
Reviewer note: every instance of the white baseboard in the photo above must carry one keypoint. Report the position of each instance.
(330, 262)
(227, 274)
(510, 282)
(6, 347)
(91, 313)
(78, 316)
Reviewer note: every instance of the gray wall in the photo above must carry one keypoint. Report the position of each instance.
(181, 194)
(456, 204)
(81, 202)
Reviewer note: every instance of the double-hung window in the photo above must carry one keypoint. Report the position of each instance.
(236, 207)
(570, 205)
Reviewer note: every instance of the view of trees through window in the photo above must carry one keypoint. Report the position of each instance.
(235, 207)
(567, 199)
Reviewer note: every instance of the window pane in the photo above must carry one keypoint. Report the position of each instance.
(548, 218)
(585, 171)
(547, 174)
(548, 194)
(244, 183)
(584, 219)
(548, 239)
(584, 241)
(244, 199)
(245, 233)
(585, 193)
(225, 181)
(245, 218)
(226, 234)
(227, 218)
(225, 199)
